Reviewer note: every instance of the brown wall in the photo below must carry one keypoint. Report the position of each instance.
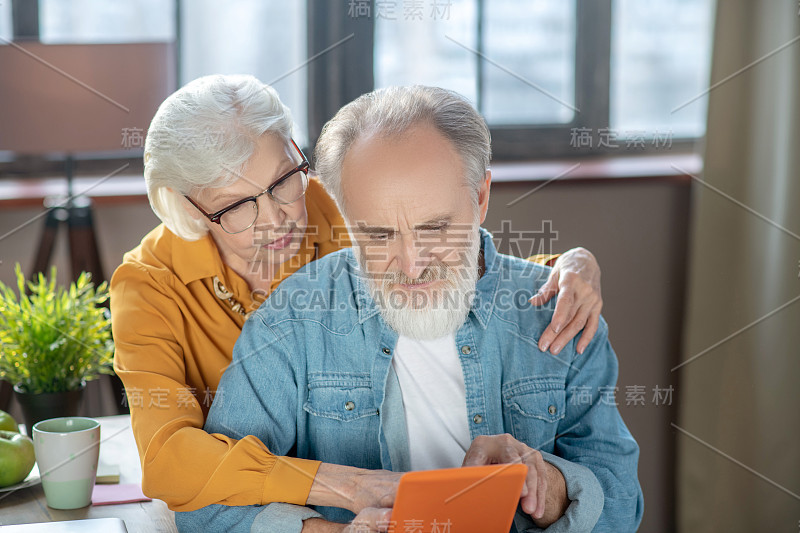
(637, 229)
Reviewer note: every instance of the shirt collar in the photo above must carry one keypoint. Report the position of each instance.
(193, 260)
(486, 288)
(200, 260)
(367, 308)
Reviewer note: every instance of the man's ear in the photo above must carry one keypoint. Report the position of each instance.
(483, 195)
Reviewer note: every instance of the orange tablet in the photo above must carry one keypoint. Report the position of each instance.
(476, 499)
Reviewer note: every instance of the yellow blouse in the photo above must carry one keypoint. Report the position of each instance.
(174, 336)
(177, 311)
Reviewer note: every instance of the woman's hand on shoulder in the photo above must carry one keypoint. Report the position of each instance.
(575, 281)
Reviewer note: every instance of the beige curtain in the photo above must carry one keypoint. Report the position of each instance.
(738, 430)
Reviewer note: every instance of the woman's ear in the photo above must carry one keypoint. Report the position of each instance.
(483, 194)
(192, 210)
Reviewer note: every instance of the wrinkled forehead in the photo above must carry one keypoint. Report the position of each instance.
(404, 180)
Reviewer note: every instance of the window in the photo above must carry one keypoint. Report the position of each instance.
(6, 26)
(537, 44)
(86, 22)
(101, 21)
(627, 76)
(660, 60)
(527, 72)
(624, 74)
(6, 34)
(422, 50)
(265, 38)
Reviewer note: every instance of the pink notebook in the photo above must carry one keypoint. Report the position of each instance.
(112, 494)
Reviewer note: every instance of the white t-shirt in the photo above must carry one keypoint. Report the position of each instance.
(435, 401)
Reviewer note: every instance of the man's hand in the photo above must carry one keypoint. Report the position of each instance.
(374, 489)
(354, 489)
(576, 279)
(370, 520)
(544, 495)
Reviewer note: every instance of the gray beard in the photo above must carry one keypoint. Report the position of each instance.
(431, 314)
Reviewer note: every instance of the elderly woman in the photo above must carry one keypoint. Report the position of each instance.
(240, 214)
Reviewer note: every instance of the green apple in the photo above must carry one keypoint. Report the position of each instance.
(16, 457)
(7, 423)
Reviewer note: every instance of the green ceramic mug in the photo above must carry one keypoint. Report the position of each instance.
(67, 450)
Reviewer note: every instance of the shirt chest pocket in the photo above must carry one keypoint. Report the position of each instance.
(342, 425)
(341, 397)
(534, 407)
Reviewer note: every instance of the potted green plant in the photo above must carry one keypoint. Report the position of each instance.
(52, 341)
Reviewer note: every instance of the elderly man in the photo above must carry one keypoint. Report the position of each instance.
(417, 348)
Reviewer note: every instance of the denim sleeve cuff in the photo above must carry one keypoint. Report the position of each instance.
(586, 500)
(282, 518)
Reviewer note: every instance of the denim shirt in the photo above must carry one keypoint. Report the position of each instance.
(311, 376)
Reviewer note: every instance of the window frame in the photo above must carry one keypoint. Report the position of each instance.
(351, 70)
(592, 92)
(347, 72)
(25, 20)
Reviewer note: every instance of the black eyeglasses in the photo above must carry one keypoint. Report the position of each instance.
(242, 214)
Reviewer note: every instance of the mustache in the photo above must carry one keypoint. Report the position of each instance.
(433, 272)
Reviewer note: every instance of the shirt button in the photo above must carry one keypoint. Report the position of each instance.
(349, 406)
(477, 419)
(552, 410)
(387, 351)
(466, 349)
